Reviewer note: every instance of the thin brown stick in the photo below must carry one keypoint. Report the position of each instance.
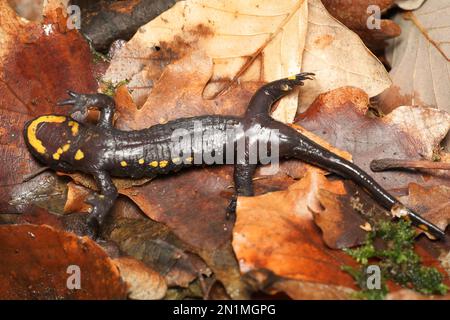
(386, 164)
(410, 16)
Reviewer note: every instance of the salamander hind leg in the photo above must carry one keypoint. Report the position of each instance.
(243, 184)
(101, 203)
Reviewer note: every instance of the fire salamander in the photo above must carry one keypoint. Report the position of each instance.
(102, 151)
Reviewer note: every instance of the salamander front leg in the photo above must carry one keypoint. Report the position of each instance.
(81, 103)
(243, 185)
(101, 202)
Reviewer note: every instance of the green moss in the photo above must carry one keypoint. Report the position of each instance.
(397, 259)
(97, 57)
(110, 88)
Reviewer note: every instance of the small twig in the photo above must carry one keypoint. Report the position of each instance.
(386, 164)
(30, 176)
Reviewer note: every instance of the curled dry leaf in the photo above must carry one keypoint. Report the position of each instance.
(143, 282)
(339, 117)
(276, 231)
(276, 38)
(36, 260)
(357, 15)
(154, 244)
(76, 195)
(420, 59)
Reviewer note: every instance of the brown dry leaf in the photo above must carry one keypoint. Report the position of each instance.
(355, 15)
(35, 260)
(154, 244)
(76, 195)
(143, 282)
(433, 203)
(342, 227)
(420, 59)
(178, 93)
(276, 231)
(275, 37)
(40, 61)
(339, 117)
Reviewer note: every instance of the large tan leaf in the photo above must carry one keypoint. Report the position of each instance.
(420, 58)
(338, 57)
(252, 41)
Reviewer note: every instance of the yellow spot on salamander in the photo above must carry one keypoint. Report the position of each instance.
(189, 160)
(60, 151)
(176, 160)
(423, 227)
(153, 164)
(292, 77)
(65, 147)
(123, 163)
(74, 127)
(32, 128)
(141, 161)
(79, 155)
(163, 163)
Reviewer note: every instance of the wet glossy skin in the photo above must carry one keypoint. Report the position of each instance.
(103, 151)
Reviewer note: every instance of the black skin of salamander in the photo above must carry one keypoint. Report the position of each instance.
(105, 147)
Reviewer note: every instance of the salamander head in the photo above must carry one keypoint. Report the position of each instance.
(50, 139)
